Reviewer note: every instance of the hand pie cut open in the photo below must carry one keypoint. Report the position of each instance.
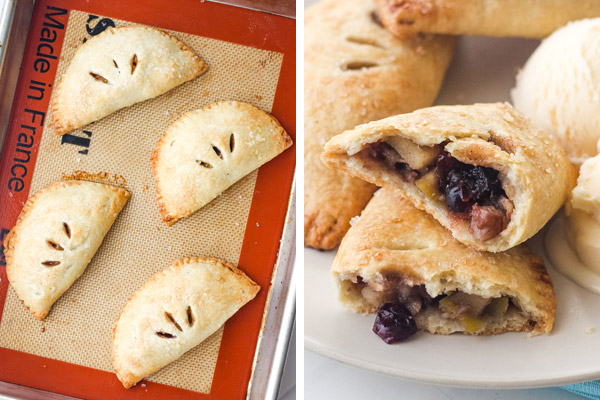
(58, 232)
(174, 311)
(206, 151)
(355, 71)
(401, 263)
(118, 68)
(483, 171)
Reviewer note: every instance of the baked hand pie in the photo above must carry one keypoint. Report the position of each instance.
(532, 19)
(399, 262)
(174, 311)
(206, 151)
(354, 72)
(483, 171)
(118, 68)
(58, 232)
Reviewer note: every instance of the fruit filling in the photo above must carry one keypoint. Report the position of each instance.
(471, 192)
(402, 309)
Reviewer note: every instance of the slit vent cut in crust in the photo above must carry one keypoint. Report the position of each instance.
(204, 164)
(134, 63)
(398, 255)
(231, 143)
(358, 65)
(483, 171)
(172, 320)
(206, 151)
(190, 316)
(99, 77)
(94, 86)
(218, 152)
(363, 41)
(45, 254)
(50, 263)
(67, 229)
(174, 311)
(55, 246)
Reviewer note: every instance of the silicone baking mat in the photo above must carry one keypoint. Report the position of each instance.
(250, 58)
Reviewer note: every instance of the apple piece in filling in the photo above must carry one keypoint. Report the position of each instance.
(428, 185)
(417, 157)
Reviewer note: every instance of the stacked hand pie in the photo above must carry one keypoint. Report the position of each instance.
(440, 247)
(440, 244)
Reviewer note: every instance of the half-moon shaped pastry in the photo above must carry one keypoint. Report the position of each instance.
(401, 263)
(483, 171)
(206, 151)
(58, 232)
(174, 311)
(118, 68)
(532, 19)
(354, 72)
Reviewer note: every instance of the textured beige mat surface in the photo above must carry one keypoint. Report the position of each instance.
(78, 328)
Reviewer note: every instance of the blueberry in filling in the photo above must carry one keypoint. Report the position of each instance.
(465, 185)
(476, 193)
(394, 323)
(398, 304)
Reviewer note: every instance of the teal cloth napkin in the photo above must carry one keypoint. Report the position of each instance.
(588, 389)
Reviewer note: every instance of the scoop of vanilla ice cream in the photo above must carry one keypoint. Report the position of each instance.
(586, 195)
(583, 223)
(559, 88)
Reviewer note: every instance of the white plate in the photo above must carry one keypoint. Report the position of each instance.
(483, 71)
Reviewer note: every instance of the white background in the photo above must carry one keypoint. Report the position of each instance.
(328, 379)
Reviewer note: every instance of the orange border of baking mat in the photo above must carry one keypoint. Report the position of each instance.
(269, 203)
